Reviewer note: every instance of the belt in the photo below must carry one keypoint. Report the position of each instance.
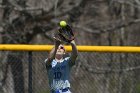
(63, 90)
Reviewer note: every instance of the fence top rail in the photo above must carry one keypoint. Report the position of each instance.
(81, 48)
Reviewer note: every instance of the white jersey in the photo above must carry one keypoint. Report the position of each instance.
(59, 74)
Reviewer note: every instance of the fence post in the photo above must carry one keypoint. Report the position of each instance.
(30, 72)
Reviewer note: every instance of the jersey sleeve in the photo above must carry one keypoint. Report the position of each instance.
(69, 61)
(45, 61)
(47, 66)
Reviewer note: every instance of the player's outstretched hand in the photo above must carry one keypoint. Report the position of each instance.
(57, 41)
(66, 34)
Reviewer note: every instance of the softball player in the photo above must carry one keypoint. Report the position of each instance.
(59, 68)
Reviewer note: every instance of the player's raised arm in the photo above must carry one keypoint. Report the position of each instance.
(74, 53)
(53, 52)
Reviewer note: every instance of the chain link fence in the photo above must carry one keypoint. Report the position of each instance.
(94, 72)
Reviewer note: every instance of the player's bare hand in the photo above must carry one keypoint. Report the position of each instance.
(57, 41)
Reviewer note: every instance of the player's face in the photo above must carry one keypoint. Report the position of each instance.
(60, 50)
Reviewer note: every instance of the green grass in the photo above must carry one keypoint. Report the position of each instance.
(138, 88)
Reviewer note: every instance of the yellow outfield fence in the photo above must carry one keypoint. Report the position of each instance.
(81, 48)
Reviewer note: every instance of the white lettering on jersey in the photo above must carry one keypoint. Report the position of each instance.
(60, 84)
